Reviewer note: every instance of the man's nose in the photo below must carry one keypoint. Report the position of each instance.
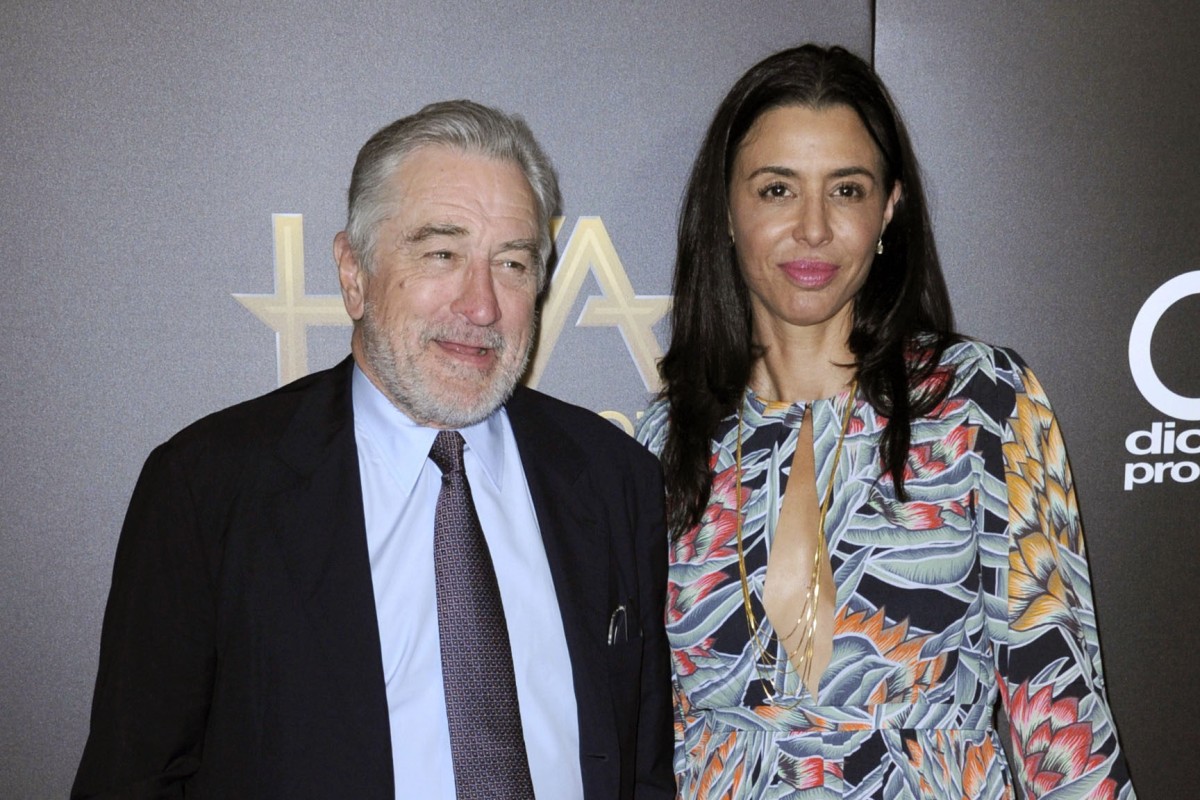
(477, 299)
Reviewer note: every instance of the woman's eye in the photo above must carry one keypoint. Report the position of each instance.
(773, 191)
(849, 191)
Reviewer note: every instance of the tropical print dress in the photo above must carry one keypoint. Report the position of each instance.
(972, 592)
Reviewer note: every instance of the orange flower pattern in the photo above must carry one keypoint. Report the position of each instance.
(972, 592)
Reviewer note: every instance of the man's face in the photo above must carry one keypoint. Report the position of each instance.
(446, 315)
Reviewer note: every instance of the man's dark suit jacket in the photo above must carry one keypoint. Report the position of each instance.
(240, 655)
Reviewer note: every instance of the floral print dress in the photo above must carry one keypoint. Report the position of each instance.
(972, 592)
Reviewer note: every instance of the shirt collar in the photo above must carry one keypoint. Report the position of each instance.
(405, 445)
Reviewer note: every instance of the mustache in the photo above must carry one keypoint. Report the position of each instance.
(471, 336)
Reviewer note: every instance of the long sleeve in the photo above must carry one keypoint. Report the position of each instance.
(1052, 682)
(157, 653)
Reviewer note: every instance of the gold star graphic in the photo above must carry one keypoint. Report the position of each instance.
(634, 315)
(289, 311)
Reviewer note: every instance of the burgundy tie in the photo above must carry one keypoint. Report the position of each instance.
(486, 743)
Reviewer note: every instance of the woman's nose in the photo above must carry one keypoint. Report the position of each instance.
(812, 225)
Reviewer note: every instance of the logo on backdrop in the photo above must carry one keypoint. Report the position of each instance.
(1173, 448)
(290, 311)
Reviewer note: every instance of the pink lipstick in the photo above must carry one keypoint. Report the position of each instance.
(810, 274)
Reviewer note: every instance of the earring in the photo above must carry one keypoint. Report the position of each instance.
(879, 246)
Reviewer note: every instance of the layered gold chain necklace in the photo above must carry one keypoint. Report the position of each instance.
(800, 658)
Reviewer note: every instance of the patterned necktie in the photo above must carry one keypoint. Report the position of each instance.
(486, 743)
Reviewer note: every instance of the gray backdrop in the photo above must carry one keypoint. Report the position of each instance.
(152, 153)
(1061, 144)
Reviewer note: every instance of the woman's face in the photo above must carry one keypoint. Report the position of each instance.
(807, 206)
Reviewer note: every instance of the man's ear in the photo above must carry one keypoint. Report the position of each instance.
(351, 276)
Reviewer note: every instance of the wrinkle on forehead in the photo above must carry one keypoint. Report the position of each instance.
(432, 173)
(444, 191)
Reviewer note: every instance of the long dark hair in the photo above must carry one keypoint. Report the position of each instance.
(902, 317)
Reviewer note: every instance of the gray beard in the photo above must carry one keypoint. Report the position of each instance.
(424, 403)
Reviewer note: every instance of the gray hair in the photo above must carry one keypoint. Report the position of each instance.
(463, 124)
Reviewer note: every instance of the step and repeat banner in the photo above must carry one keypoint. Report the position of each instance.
(171, 179)
(172, 176)
(1060, 146)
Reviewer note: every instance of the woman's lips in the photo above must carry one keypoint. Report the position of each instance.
(810, 274)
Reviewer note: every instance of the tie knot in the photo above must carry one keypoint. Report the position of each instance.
(447, 452)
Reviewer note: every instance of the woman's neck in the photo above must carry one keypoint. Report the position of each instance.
(801, 364)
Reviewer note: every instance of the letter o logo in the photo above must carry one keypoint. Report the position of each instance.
(1144, 376)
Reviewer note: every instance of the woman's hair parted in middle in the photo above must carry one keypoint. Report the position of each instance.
(902, 316)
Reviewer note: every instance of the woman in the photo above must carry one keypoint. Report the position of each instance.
(875, 534)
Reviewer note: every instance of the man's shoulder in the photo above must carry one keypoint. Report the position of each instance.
(265, 418)
(582, 426)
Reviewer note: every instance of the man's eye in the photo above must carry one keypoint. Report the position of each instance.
(439, 257)
(516, 266)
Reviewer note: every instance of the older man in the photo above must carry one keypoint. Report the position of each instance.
(405, 576)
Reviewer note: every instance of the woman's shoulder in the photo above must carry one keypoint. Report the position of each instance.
(971, 358)
(652, 428)
(991, 375)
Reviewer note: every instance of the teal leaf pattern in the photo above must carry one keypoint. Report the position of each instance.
(972, 593)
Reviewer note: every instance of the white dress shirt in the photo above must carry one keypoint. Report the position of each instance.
(400, 488)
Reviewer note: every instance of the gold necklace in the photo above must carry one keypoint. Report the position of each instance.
(808, 611)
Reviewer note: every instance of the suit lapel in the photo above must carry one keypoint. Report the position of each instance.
(322, 538)
(577, 549)
(321, 535)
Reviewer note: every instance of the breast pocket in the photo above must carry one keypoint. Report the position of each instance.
(624, 649)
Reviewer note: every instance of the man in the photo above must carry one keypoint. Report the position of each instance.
(289, 615)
